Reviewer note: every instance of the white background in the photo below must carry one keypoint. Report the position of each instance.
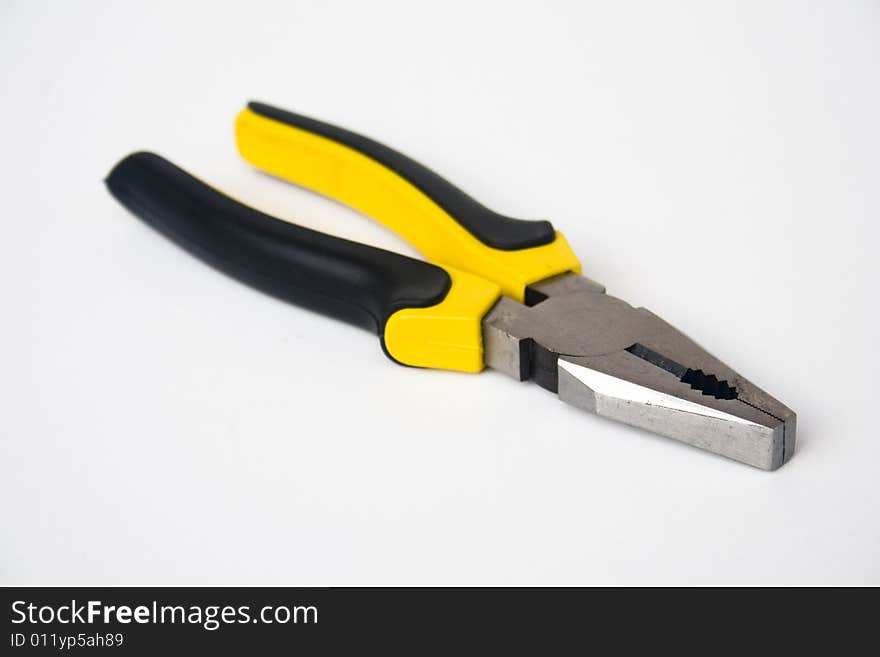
(715, 162)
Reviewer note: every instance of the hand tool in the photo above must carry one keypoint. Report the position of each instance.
(501, 292)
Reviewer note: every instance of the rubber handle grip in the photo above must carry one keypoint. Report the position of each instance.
(354, 282)
(444, 224)
(489, 227)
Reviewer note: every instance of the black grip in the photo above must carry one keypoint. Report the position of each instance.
(354, 282)
(491, 228)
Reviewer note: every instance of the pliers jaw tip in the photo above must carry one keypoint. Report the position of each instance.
(733, 428)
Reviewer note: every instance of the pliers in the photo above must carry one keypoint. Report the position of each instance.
(498, 292)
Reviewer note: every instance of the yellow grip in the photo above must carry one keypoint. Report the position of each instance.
(448, 335)
(347, 175)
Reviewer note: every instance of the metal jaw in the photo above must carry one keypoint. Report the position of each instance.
(624, 363)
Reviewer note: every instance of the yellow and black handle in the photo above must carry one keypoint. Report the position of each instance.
(425, 315)
(441, 221)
